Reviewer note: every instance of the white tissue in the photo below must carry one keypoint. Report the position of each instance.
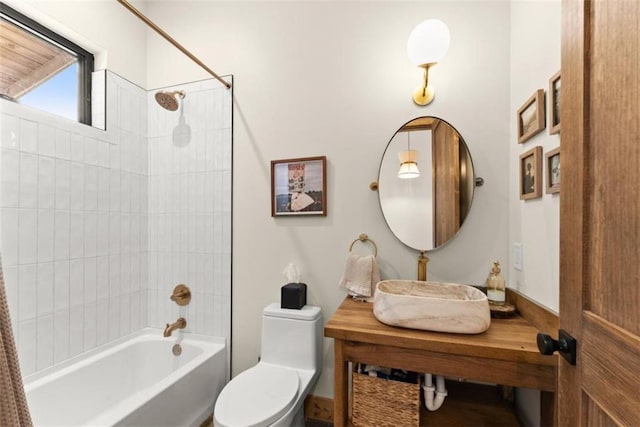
(291, 273)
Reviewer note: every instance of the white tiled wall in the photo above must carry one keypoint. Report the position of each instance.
(190, 208)
(96, 228)
(74, 226)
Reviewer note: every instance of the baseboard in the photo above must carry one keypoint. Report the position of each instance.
(318, 408)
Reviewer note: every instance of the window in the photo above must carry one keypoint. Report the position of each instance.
(42, 69)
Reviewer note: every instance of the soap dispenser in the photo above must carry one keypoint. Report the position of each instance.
(495, 285)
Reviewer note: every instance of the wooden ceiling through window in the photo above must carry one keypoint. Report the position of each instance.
(27, 60)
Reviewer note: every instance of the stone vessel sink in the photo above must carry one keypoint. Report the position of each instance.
(432, 306)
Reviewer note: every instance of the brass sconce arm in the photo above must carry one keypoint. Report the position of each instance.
(424, 93)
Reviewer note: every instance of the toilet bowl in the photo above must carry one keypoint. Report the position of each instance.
(272, 393)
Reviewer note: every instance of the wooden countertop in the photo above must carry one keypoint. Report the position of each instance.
(512, 340)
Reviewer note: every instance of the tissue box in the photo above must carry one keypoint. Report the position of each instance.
(293, 295)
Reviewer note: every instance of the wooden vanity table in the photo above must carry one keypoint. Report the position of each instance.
(505, 354)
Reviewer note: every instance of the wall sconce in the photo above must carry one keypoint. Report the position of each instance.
(408, 161)
(427, 45)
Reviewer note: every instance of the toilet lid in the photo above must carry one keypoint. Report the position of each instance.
(256, 397)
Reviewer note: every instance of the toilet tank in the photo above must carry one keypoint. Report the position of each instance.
(292, 338)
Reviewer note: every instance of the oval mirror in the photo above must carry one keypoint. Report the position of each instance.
(426, 183)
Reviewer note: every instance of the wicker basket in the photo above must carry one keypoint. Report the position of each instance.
(379, 402)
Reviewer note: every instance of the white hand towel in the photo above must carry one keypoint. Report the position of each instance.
(361, 275)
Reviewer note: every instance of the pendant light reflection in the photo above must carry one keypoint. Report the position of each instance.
(408, 162)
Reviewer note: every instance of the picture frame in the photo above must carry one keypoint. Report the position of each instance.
(554, 104)
(530, 118)
(552, 174)
(299, 186)
(531, 174)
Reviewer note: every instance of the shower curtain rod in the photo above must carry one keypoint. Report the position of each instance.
(171, 40)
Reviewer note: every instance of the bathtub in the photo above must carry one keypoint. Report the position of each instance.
(134, 381)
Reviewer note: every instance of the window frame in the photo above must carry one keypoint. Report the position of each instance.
(85, 58)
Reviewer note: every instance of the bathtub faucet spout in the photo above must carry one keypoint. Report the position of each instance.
(181, 323)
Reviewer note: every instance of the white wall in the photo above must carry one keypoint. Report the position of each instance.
(535, 57)
(332, 78)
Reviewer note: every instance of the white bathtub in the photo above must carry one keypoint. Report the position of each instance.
(134, 381)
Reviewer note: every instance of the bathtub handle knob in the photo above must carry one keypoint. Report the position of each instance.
(181, 295)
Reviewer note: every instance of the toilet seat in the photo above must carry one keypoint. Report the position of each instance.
(257, 397)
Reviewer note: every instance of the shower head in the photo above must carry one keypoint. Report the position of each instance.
(169, 100)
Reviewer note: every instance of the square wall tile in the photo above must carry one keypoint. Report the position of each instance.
(102, 321)
(114, 317)
(45, 242)
(46, 140)
(102, 242)
(104, 177)
(104, 150)
(114, 276)
(46, 182)
(102, 280)
(89, 324)
(28, 136)
(61, 285)
(63, 144)
(27, 236)
(91, 151)
(27, 340)
(90, 234)
(45, 289)
(90, 279)
(91, 188)
(76, 330)
(28, 180)
(10, 132)
(76, 283)
(77, 147)
(76, 235)
(125, 315)
(61, 336)
(62, 236)
(45, 331)
(76, 190)
(63, 184)
(9, 178)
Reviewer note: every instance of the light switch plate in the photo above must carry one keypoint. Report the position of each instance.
(517, 256)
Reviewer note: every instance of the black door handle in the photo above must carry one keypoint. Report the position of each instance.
(565, 345)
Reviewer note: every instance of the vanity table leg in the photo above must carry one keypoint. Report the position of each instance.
(341, 390)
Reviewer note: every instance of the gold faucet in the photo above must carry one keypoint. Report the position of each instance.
(181, 323)
(422, 266)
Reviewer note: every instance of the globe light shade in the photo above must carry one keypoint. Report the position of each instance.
(428, 42)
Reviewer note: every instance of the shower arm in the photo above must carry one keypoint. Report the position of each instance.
(171, 40)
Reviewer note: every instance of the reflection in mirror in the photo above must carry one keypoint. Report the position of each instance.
(426, 211)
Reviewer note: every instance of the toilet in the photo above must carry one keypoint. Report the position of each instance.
(272, 393)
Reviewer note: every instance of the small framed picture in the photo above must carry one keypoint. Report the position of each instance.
(531, 174)
(554, 104)
(552, 165)
(531, 117)
(299, 186)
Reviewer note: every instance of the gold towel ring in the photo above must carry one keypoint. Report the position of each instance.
(364, 238)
